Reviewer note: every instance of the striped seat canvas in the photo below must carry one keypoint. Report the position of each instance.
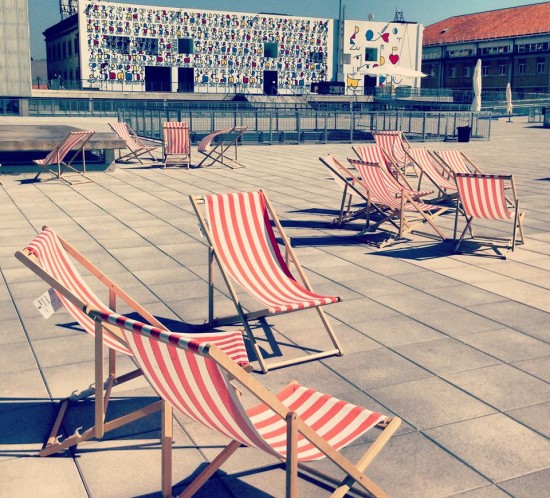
(400, 208)
(239, 232)
(482, 197)
(394, 144)
(433, 169)
(216, 145)
(176, 144)
(74, 142)
(396, 180)
(352, 190)
(134, 144)
(296, 425)
(457, 161)
(51, 258)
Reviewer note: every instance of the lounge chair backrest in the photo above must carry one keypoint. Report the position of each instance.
(206, 143)
(54, 260)
(421, 156)
(176, 137)
(392, 143)
(455, 160)
(246, 246)
(343, 172)
(482, 196)
(196, 379)
(72, 140)
(124, 132)
(373, 154)
(374, 181)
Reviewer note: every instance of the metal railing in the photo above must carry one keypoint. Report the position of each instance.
(280, 126)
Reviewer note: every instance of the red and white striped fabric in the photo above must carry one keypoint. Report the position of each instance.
(73, 139)
(206, 142)
(53, 258)
(176, 137)
(183, 372)
(373, 178)
(121, 129)
(482, 196)
(248, 251)
(425, 162)
(393, 145)
(455, 160)
(375, 155)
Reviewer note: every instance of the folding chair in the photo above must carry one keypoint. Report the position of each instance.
(433, 169)
(482, 197)
(296, 426)
(224, 140)
(74, 142)
(397, 180)
(238, 229)
(345, 180)
(176, 145)
(51, 258)
(373, 178)
(394, 144)
(133, 142)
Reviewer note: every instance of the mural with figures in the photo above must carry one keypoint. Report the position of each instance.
(119, 41)
(367, 44)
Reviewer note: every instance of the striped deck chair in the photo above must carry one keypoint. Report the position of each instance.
(176, 144)
(215, 146)
(296, 426)
(133, 142)
(75, 144)
(351, 190)
(394, 144)
(51, 258)
(241, 238)
(433, 169)
(409, 212)
(397, 181)
(482, 197)
(457, 161)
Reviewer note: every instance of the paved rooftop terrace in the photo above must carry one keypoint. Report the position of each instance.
(455, 345)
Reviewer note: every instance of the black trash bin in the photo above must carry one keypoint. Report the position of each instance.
(464, 133)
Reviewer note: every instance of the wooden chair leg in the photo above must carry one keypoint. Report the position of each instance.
(166, 448)
(291, 459)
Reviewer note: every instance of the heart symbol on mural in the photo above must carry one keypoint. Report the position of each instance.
(386, 37)
(394, 58)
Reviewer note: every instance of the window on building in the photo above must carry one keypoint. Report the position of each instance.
(467, 71)
(522, 64)
(149, 46)
(76, 45)
(484, 70)
(502, 69)
(270, 50)
(316, 57)
(120, 44)
(69, 48)
(371, 54)
(347, 59)
(540, 65)
(186, 46)
(452, 72)
(64, 50)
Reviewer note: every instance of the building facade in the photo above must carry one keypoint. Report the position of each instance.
(513, 45)
(15, 53)
(117, 46)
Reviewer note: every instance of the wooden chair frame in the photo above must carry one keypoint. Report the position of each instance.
(77, 139)
(295, 426)
(398, 207)
(405, 145)
(134, 144)
(226, 139)
(101, 401)
(246, 317)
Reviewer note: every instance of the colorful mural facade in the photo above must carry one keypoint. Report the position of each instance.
(118, 41)
(368, 44)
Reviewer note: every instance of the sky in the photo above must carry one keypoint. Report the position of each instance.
(45, 13)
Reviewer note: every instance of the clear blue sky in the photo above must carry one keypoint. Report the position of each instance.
(45, 13)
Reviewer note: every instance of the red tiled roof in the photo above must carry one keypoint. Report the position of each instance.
(502, 23)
